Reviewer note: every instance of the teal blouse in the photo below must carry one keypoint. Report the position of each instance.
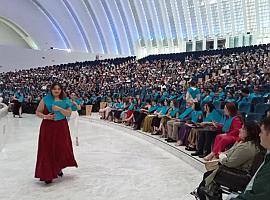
(195, 116)
(164, 110)
(50, 102)
(214, 116)
(74, 107)
(173, 112)
(19, 96)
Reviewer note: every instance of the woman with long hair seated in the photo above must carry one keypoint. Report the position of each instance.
(240, 156)
(230, 126)
(210, 115)
(156, 122)
(128, 118)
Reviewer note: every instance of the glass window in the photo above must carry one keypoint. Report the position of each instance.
(182, 18)
(215, 18)
(193, 18)
(238, 16)
(204, 18)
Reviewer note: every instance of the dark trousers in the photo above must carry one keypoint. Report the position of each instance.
(139, 120)
(136, 115)
(205, 141)
(202, 184)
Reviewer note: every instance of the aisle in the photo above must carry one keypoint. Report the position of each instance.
(112, 165)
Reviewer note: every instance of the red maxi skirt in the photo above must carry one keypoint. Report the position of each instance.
(55, 150)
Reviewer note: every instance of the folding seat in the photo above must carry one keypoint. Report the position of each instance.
(258, 117)
(244, 107)
(217, 104)
(257, 100)
(261, 108)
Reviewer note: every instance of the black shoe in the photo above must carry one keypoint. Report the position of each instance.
(61, 174)
(48, 182)
(203, 155)
(190, 148)
(197, 153)
(170, 140)
(136, 128)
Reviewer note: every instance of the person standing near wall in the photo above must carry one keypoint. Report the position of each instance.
(74, 118)
(18, 100)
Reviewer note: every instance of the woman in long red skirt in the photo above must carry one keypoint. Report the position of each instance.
(55, 147)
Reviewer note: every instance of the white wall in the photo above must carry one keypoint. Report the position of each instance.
(3, 125)
(12, 58)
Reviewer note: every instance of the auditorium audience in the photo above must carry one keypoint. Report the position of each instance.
(164, 95)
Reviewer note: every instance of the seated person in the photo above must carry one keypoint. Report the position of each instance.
(240, 156)
(130, 112)
(210, 115)
(143, 112)
(156, 122)
(153, 112)
(172, 114)
(104, 113)
(259, 186)
(196, 116)
(174, 124)
(230, 127)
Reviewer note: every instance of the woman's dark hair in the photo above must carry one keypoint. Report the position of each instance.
(266, 124)
(253, 131)
(245, 90)
(62, 94)
(148, 101)
(162, 102)
(197, 106)
(192, 83)
(232, 109)
(174, 103)
(210, 106)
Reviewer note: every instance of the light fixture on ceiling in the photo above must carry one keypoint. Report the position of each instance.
(68, 50)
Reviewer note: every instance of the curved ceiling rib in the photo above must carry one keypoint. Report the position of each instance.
(112, 25)
(53, 21)
(78, 23)
(25, 36)
(137, 22)
(126, 26)
(93, 16)
(149, 21)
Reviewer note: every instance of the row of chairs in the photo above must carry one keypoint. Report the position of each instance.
(245, 110)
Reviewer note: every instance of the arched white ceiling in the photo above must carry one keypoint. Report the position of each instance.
(117, 26)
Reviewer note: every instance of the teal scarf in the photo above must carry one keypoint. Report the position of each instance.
(164, 110)
(214, 116)
(227, 122)
(193, 92)
(185, 113)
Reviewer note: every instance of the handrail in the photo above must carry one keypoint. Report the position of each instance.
(3, 125)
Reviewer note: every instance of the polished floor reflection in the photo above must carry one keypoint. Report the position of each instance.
(112, 165)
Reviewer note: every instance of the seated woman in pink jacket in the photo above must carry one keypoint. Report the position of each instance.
(229, 126)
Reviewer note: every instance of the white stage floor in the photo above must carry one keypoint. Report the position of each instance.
(112, 165)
